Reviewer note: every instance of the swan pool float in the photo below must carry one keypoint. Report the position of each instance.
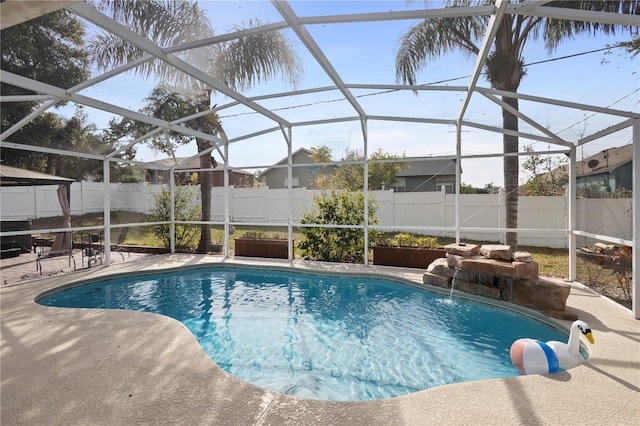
(531, 356)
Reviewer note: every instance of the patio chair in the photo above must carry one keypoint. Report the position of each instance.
(44, 252)
(117, 247)
(93, 247)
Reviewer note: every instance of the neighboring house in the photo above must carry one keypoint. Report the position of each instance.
(237, 177)
(423, 174)
(303, 176)
(427, 174)
(609, 170)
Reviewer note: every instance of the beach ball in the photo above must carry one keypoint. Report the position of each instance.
(531, 356)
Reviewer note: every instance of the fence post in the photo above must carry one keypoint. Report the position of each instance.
(82, 197)
(36, 210)
(501, 214)
(443, 209)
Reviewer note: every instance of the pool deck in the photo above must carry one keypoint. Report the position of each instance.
(99, 367)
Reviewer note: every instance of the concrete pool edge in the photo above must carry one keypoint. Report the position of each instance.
(64, 366)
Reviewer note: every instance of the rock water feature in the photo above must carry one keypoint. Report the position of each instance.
(493, 271)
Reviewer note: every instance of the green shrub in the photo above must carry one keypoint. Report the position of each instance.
(258, 234)
(336, 244)
(186, 235)
(404, 239)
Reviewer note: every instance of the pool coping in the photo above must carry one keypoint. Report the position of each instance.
(83, 366)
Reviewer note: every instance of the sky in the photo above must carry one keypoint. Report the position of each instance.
(365, 53)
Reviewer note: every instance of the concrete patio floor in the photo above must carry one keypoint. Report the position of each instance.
(24, 266)
(99, 367)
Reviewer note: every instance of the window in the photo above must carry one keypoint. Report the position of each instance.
(400, 185)
(295, 182)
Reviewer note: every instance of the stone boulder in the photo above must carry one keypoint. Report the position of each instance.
(500, 268)
(546, 295)
(462, 249)
(436, 280)
(472, 287)
(439, 267)
(522, 256)
(496, 251)
(489, 271)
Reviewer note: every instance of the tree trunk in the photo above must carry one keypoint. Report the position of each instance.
(206, 178)
(206, 183)
(505, 70)
(511, 168)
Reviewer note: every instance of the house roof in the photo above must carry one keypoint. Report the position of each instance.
(417, 166)
(429, 167)
(286, 159)
(605, 160)
(194, 163)
(13, 176)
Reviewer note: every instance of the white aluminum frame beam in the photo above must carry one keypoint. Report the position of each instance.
(289, 15)
(557, 102)
(635, 260)
(558, 140)
(62, 94)
(485, 48)
(40, 110)
(26, 120)
(103, 21)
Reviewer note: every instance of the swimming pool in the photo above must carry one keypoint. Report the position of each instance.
(324, 337)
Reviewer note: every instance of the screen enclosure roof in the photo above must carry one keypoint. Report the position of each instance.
(339, 89)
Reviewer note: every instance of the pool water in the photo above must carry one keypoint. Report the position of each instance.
(324, 337)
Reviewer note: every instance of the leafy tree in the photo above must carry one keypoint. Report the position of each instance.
(239, 63)
(47, 49)
(167, 104)
(40, 132)
(337, 244)
(321, 154)
(467, 189)
(126, 173)
(186, 235)
(490, 188)
(504, 67)
(78, 135)
(322, 181)
(549, 175)
(350, 176)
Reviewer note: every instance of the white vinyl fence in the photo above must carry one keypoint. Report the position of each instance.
(427, 210)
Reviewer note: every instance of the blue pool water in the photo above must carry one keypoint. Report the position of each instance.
(324, 337)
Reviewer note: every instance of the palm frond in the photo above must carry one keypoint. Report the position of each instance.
(164, 22)
(250, 60)
(432, 38)
(108, 51)
(556, 30)
(240, 64)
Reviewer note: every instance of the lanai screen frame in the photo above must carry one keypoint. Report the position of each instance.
(51, 95)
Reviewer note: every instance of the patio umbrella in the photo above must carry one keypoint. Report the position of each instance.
(63, 239)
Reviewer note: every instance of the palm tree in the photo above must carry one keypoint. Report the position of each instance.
(239, 64)
(504, 66)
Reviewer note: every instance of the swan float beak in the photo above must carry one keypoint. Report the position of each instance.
(589, 336)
